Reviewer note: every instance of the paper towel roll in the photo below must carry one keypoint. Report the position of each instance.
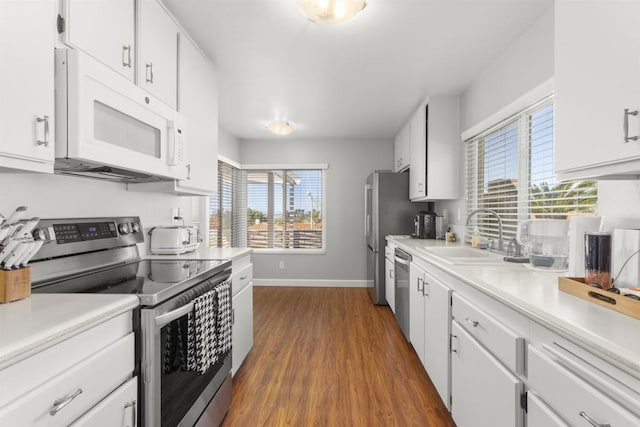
(578, 226)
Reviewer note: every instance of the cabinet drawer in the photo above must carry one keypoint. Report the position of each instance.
(239, 263)
(28, 374)
(505, 344)
(540, 415)
(89, 381)
(117, 409)
(241, 278)
(572, 397)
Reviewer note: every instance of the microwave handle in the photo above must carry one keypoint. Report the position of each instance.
(174, 145)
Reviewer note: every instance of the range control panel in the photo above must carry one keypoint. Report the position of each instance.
(65, 233)
(70, 236)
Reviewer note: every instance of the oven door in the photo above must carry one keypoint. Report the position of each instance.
(172, 396)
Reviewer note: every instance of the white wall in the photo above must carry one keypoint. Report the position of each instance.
(350, 162)
(59, 196)
(228, 145)
(524, 65)
(619, 204)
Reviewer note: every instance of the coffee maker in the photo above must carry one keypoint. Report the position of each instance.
(424, 225)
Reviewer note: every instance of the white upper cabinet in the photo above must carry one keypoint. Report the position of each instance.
(158, 51)
(434, 142)
(105, 29)
(597, 78)
(401, 149)
(198, 101)
(27, 37)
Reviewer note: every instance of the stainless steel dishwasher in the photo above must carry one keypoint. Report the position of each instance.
(402, 260)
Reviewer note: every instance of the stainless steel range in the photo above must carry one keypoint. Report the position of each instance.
(181, 378)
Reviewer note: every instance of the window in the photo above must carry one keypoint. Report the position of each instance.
(509, 169)
(270, 209)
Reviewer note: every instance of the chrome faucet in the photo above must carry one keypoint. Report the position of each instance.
(494, 213)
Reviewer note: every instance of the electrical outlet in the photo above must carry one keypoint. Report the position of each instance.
(176, 215)
(281, 265)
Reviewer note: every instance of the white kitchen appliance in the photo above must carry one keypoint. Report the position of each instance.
(108, 128)
(101, 256)
(173, 240)
(548, 242)
(578, 226)
(626, 259)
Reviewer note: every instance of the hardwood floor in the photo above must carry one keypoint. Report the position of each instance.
(329, 357)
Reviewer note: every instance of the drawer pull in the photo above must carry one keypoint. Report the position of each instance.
(473, 323)
(592, 421)
(61, 403)
(132, 405)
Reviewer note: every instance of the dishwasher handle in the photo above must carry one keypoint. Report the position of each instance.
(401, 257)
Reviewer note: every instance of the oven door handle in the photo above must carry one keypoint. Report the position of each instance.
(169, 317)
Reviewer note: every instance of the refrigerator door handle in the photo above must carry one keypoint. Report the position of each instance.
(367, 215)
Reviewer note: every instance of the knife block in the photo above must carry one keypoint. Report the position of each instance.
(15, 284)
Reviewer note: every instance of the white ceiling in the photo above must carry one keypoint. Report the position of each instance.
(361, 79)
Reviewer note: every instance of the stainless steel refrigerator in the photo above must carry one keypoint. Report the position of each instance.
(388, 210)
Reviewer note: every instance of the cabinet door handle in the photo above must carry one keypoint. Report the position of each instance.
(132, 405)
(243, 277)
(149, 72)
(189, 165)
(45, 120)
(418, 284)
(453, 350)
(390, 274)
(592, 421)
(473, 323)
(625, 126)
(61, 403)
(126, 59)
(425, 292)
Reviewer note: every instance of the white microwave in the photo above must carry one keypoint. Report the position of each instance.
(108, 128)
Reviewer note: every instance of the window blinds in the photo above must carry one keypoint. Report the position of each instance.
(267, 209)
(509, 169)
(225, 228)
(285, 208)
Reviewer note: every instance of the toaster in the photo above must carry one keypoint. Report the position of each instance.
(173, 240)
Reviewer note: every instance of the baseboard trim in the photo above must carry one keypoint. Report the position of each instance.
(315, 283)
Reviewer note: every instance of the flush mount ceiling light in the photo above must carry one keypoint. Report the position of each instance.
(280, 128)
(330, 11)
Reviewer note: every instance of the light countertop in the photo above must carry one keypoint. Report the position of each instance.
(208, 253)
(607, 333)
(43, 320)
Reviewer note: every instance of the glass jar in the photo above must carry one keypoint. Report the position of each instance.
(597, 259)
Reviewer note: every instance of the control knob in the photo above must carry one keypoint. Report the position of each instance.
(135, 227)
(124, 228)
(40, 234)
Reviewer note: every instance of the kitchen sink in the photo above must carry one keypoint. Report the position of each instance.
(461, 255)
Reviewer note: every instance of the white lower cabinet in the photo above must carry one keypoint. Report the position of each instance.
(389, 285)
(67, 388)
(416, 309)
(484, 392)
(437, 328)
(67, 396)
(242, 303)
(558, 380)
(540, 415)
(119, 409)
